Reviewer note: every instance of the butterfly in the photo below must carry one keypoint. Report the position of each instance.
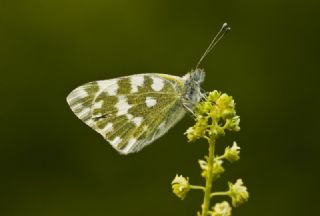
(131, 112)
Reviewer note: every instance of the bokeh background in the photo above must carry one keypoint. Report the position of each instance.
(53, 164)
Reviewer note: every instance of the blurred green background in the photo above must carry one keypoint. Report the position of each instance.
(53, 164)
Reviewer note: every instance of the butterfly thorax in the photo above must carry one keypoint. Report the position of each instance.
(192, 89)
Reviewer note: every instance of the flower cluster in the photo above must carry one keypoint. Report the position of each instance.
(213, 116)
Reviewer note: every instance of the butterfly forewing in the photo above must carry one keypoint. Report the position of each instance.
(130, 112)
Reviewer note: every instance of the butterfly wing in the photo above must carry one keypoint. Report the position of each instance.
(130, 112)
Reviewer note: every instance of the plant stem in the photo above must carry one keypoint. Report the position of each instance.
(209, 179)
(197, 187)
(220, 157)
(224, 193)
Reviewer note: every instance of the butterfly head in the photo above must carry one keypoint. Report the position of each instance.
(192, 91)
(197, 76)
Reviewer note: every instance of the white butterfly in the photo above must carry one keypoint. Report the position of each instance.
(131, 112)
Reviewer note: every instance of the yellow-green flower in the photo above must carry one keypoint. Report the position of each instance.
(232, 154)
(213, 96)
(214, 115)
(199, 129)
(217, 168)
(238, 193)
(222, 209)
(226, 105)
(180, 186)
(232, 124)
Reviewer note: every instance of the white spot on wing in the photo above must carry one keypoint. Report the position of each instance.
(157, 84)
(84, 113)
(109, 86)
(97, 105)
(81, 93)
(122, 106)
(150, 102)
(129, 145)
(115, 142)
(135, 82)
(76, 94)
(108, 128)
(90, 122)
(77, 106)
(129, 116)
(137, 120)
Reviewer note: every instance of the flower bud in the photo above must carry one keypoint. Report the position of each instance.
(213, 96)
(233, 124)
(198, 130)
(217, 169)
(238, 193)
(180, 186)
(232, 154)
(222, 209)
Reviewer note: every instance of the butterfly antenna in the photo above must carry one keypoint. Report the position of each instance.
(224, 29)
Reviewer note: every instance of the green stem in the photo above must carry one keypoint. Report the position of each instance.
(224, 193)
(209, 179)
(197, 187)
(220, 157)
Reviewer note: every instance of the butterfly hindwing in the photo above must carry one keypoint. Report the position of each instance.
(81, 99)
(130, 112)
